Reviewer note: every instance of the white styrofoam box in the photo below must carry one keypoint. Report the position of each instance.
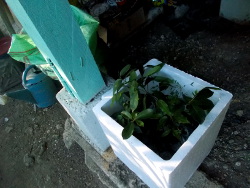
(152, 169)
(83, 116)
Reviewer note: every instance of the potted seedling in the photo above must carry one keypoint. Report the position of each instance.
(162, 122)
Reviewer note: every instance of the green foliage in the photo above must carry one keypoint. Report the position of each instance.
(172, 114)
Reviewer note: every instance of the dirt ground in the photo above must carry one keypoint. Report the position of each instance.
(32, 152)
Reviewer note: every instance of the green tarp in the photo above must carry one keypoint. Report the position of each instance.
(23, 48)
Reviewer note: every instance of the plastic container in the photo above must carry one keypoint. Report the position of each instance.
(40, 86)
(147, 165)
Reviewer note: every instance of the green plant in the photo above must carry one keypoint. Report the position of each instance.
(154, 108)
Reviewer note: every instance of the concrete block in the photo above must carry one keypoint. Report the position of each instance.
(152, 169)
(83, 115)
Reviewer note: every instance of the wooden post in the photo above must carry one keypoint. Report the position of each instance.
(51, 25)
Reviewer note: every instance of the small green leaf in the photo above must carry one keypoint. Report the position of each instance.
(140, 123)
(177, 133)
(162, 122)
(145, 114)
(197, 113)
(120, 119)
(166, 133)
(128, 131)
(204, 94)
(132, 76)
(124, 70)
(156, 116)
(206, 104)
(117, 85)
(133, 93)
(174, 100)
(126, 115)
(153, 70)
(164, 107)
(117, 96)
(163, 79)
(180, 118)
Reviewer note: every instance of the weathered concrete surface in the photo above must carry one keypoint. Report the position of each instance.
(83, 116)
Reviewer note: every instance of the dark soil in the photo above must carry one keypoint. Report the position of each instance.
(32, 152)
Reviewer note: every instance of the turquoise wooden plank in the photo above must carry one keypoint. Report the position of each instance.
(51, 25)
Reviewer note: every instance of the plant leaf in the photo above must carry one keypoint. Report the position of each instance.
(204, 94)
(164, 107)
(166, 132)
(139, 123)
(197, 113)
(156, 116)
(132, 76)
(206, 104)
(153, 70)
(159, 94)
(133, 93)
(162, 122)
(124, 70)
(126, 115)
(128, 131)
(163, 79)
(174, 100)
(177, 133)
(117, 96)
(145, 114)
(180, 118)
(117, 85)
(120, 119)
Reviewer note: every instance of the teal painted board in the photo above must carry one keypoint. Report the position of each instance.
(52, 26)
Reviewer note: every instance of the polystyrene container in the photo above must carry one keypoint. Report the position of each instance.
(151, 168)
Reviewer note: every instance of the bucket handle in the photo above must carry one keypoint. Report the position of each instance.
(24, 81)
